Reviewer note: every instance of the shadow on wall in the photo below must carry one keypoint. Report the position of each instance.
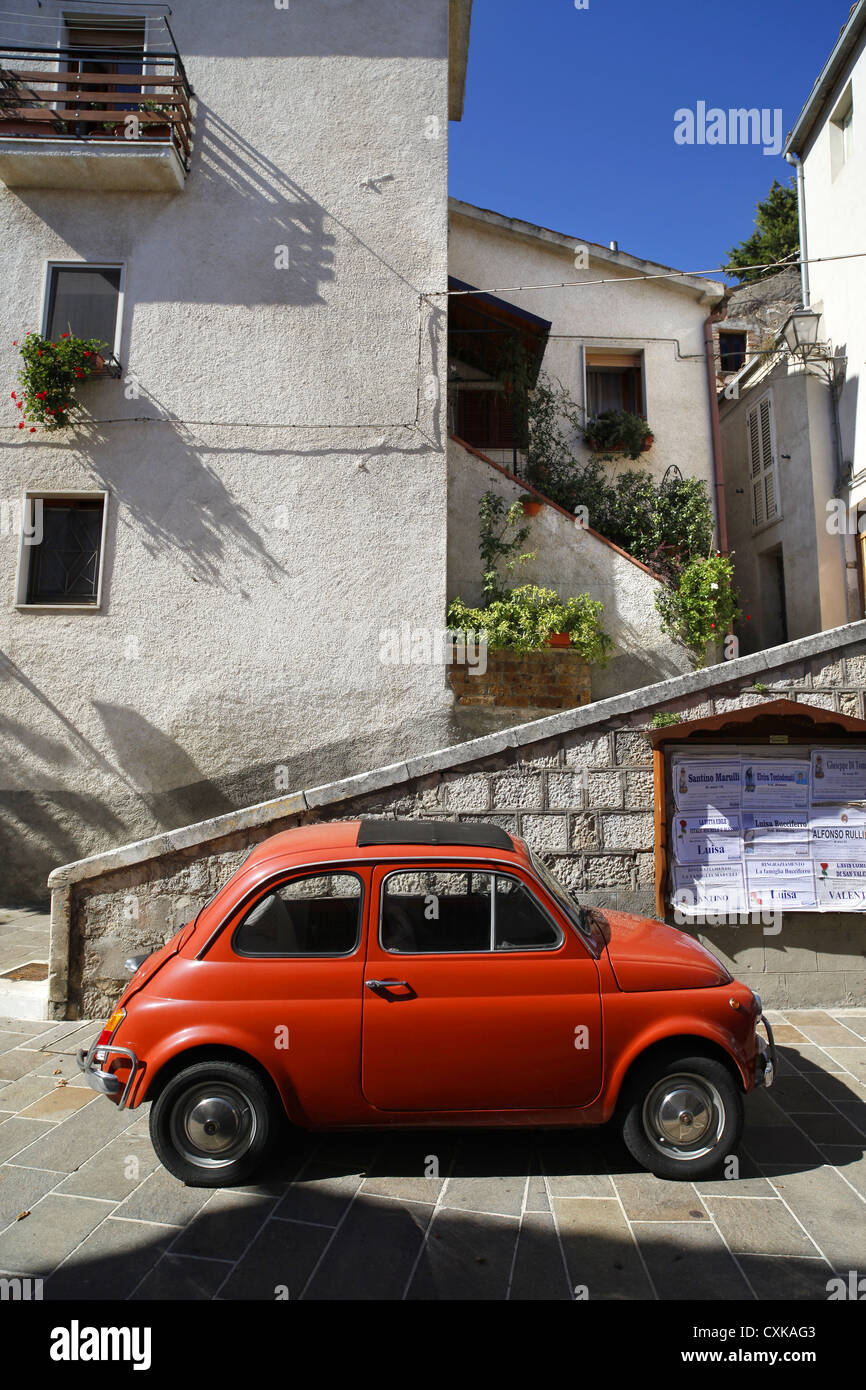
(628, 669)
(232, 188)
(195, 519)
(152, 785)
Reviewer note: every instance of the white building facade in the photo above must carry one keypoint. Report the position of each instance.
(259, 490)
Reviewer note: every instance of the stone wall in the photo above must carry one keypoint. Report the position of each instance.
(577, 786)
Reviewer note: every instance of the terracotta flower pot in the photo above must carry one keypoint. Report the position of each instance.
(530, 507)
(13, 125)
(559, 639)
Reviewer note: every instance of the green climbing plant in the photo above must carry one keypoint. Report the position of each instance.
(702, 606)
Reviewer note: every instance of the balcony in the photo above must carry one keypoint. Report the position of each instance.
(108, 119)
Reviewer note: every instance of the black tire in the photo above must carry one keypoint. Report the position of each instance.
(682, 1118)
(213, 1123)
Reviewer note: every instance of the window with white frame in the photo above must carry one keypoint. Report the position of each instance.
(614, 381)
(61, 557)
(84, 299)
(763, 462)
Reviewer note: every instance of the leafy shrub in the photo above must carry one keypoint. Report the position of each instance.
(702, 606)
(524, 619)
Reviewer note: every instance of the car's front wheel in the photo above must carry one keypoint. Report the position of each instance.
(682, 1119)
(212, 1123)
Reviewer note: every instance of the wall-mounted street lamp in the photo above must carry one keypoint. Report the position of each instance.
(801, 335)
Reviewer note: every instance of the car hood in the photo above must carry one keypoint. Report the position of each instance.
(648, 955)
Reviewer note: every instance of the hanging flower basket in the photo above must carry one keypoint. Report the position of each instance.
(50, 377)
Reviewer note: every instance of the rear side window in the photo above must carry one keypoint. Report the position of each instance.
(315, 915)
(446, 911)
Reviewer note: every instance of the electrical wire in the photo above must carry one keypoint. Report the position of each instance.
(666, 275)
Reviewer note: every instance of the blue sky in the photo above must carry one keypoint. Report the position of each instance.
(569, 117)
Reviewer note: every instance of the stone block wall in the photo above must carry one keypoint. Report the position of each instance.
(577, 786)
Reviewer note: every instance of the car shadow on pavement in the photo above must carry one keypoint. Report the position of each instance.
(521, 1214)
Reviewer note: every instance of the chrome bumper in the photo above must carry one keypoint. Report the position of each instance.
(103, 1080)
(765, 1062)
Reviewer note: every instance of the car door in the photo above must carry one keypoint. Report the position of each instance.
(477, 995)
(287, 975)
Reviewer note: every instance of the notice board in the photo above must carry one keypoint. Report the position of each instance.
(762, 810)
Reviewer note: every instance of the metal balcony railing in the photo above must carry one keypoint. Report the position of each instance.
(93, 94)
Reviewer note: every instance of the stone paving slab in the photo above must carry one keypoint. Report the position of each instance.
(520, 1215)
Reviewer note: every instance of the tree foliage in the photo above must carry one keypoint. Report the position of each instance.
(776, 233)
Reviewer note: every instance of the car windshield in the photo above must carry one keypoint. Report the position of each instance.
(572, 911)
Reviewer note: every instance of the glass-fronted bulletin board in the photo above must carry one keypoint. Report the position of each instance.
(763, 810)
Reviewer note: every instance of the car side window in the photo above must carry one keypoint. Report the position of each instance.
(445, 910)
(521, 924)
(449, 910)
(314, 915)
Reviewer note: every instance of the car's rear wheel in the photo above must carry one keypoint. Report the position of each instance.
(212, 1123)
(684, 1118)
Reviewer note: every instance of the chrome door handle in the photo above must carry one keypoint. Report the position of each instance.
(386, 984)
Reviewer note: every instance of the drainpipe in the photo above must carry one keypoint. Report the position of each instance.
(718, 470)
(795, 161)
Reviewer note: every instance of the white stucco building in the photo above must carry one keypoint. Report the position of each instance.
(261, 488)
(794, 425)
(615, 339)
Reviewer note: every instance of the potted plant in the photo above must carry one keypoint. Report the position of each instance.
(559, 639)
(618, 432)
(50, 376)
(525, 620)
(530, 506)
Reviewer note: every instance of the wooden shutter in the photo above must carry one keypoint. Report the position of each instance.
(763, 471)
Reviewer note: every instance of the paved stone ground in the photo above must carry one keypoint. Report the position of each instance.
(518, 1215)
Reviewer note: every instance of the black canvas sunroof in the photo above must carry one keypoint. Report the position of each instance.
(421, 832)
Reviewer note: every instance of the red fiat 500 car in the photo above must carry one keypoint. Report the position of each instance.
(388, 973)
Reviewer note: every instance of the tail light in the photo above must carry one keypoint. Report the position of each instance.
(111, 1027)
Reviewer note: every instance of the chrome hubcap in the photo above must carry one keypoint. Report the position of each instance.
(684, 1116)
(213, 1125)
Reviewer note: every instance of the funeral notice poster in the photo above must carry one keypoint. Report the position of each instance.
(709, 839)
(776, 835)
(705, 785)
(838, 774)
(838, 832)
(840, 884)
(781, 884)
(719, 888)
(783, 784)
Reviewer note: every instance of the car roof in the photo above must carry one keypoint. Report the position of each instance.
(375, 839)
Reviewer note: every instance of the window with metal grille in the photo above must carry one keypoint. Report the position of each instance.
(763, 468)
(83, 300)
(64, 567)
